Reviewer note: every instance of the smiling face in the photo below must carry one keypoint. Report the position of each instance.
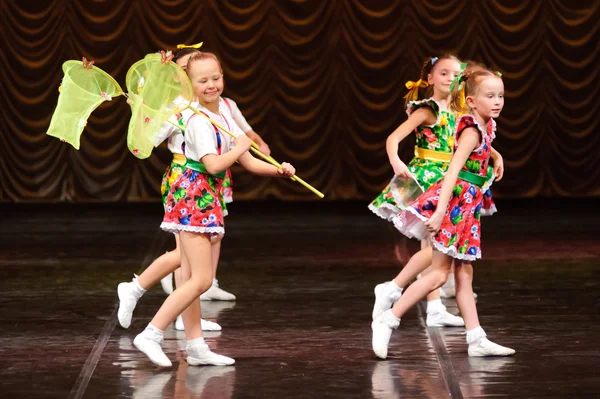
(442, 74)
(488, 99)
(207, 80)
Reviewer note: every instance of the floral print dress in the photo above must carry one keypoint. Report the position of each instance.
(460, 232)
(439, 137)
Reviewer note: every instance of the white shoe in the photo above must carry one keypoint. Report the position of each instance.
(167, 284)
(444, 319)
(206, 325)
(201, 355)
(150, 346)
(383, 300)
(382, 332)
(214, 293)
(485, 347)
(127, 302)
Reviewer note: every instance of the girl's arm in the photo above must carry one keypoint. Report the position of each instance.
(261, 168)
(498, 164)
(468, 141)
(264, 148)
(217, 163)
(419, 117)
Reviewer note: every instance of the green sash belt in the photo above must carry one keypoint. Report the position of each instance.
(199, 167)
(472, 178)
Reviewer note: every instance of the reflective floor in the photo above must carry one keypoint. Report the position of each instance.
(304, 275)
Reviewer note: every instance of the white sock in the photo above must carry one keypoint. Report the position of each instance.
(215, 282)
(475, 335)
(155, 333)
(138, 290)
(195, 341)
(392, 290)
(435, 306)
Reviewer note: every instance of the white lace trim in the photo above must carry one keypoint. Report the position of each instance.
(228, 200)
(488, 212)
(451, 251)
(385, 211)
(176, 228)
(409, 110)
(486, 186)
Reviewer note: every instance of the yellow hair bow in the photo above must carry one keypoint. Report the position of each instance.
(414, 88)
(197, 45)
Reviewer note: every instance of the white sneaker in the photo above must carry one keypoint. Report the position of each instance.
(127, 302)
(382, 332)
(206, 325)
(201, 355)
(444, 319)
(383, 300)
(485, 347)
(167, 284)
(214, 293)
(150, 345)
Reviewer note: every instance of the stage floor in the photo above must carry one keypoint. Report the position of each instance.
(304, 275)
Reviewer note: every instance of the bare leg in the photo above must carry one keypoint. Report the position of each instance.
(161, 267)
(419, 289)
(197, 250)
(464, 294)
(216, 254)
(419, 262)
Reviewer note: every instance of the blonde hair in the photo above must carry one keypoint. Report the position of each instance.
(202, 55)
(467, 85)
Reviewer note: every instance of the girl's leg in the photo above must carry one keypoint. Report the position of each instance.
(387, 293)
(167, 281)
(437, 315)
(215, 293)
(196, 249)
(479, 345)
(130, 293)
(390, 319)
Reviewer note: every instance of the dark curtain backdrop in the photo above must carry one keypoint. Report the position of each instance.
(321, 81)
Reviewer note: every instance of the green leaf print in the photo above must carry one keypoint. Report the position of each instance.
(204, 201)
(463, 249)
(456, 220)
(179, 194)
(473, 166)
(452, 240)
(457, 191)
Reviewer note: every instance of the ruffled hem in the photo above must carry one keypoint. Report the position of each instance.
(385, 211)
(438, 112)
(228, 200)
(175, 228)
(488, 212)
(417, 229)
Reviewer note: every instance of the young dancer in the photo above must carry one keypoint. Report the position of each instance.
(448, 214)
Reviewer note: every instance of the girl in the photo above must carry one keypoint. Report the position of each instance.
(215, 292)
(195, 212)
(453, 205)
(130, 293)
(434, 124)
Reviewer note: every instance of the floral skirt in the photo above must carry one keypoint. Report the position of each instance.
(227, 189)
(171, 175)
(402, 192)
(194, 204)
(460, 232)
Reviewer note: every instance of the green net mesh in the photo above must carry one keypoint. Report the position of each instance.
(82, 90)
(157, 89)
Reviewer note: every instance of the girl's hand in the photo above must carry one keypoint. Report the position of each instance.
(400, 169)
(264, 148)
(242, 141)
(286, 170)
(435, 222)
(498, 167)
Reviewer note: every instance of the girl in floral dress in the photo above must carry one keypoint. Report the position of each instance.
(448, 215)
(195, 212)
(434, 124)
